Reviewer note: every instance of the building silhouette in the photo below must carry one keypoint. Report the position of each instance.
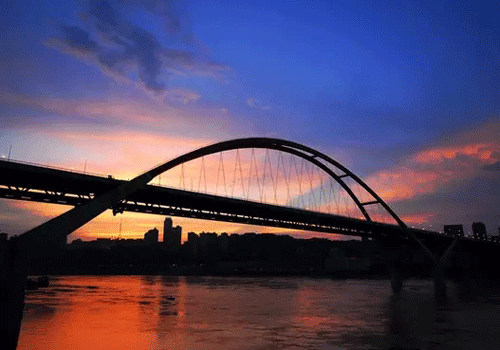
(223, 243)
(454, 230)
(151, 237)
(171, 236)
(479, 231)
(192, 244)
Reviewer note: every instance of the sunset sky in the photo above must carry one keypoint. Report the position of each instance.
(406, 94)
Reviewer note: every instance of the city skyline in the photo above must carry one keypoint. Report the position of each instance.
(405, 95)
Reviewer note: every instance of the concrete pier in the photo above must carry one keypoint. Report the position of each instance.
(396, 280)
(12, 284)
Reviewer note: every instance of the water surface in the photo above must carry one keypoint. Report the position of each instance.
(157, 312)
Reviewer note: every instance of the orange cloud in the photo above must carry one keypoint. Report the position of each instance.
(483, 152)
(433, 169)
(417, 219)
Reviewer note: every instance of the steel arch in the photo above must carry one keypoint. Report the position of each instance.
(73, 219)
(295, 149)
(290, 147)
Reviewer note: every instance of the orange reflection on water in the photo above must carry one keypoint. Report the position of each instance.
(86, 317)
(168, 312)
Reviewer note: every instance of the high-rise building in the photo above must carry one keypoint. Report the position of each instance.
(171, 236)
(479, 231)
(167, 228)
(193, 243)
(454, 230)
(151, 237)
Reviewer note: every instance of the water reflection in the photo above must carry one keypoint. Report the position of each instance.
(158, 312)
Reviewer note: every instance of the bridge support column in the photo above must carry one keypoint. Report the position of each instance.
(439, 285)
(467, 285)
(12, 283)
(395, 262)
(441, 265)
(396, 279)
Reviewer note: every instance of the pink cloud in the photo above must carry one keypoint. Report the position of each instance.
(483, 152)
(461, 158)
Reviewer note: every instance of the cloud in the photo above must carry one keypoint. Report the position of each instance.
(484, 152)
(435, 168)
(78, 39)
(431, 170)
(432, 183)
(256, 104)
(174, 113)
(417, 219)
(181, 96)
(129, 53)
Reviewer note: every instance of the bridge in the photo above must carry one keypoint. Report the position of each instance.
(21, 181)
(90, 195)
(50, 185)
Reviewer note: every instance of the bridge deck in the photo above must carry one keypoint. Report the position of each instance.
(50, 185)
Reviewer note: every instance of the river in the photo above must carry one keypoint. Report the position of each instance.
(163, 312)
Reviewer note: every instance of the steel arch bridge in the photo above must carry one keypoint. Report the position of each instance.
(115, 198)
(320, 160)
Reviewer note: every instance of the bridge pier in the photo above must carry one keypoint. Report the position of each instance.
(396, 279)
(394, 257)
(439, 285)
(467, 285)
(12, 284)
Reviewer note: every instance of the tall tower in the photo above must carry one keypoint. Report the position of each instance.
(171, 236)
(167, 229)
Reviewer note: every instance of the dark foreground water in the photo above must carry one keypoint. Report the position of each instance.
(155, 312)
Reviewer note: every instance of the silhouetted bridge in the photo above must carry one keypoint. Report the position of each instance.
(50, 185)
(23, 181)
(29, 182)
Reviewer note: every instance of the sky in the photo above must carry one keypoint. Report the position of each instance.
(406, 94)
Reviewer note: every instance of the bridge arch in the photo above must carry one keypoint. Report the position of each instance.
(73, 219)
(307, 153)
(313, 156)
